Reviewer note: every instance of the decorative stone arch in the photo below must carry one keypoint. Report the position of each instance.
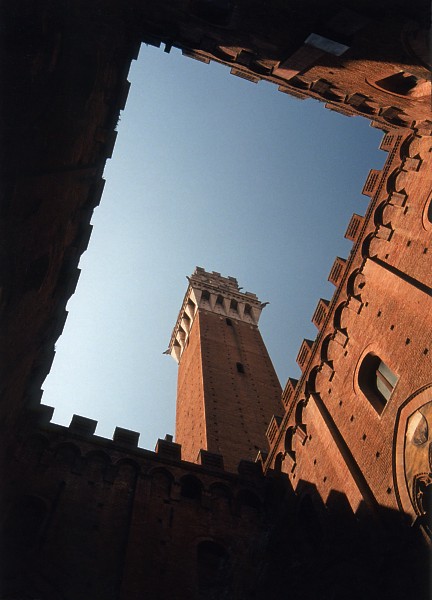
(411, 147)
(338, 317)
(311, 382)
(355, 284)
(412, 456)
(96, 464)
(396, 181)
(300, 421)
(221, 496)
(67, 453)
(34, 447)
(288, 442)
(325, 350)
(191, 487)
(404, 84)
(220, 489)
(404, 148)
(380, 215)
(127, 471)
(161, 481)
(368, 249)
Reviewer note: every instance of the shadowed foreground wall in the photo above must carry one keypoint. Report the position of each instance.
(94, 518)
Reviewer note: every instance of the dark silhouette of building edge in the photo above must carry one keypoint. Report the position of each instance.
(338, 504)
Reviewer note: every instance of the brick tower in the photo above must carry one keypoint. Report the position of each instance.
(227, 387)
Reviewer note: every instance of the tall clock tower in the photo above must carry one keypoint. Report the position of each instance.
(227, 387)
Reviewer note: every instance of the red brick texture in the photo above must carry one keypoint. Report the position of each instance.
(383, 307)
(190, 408)
(227, 390)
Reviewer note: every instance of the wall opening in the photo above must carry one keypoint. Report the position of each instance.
(377, 381)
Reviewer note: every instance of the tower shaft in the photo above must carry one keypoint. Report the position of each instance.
(227, 387)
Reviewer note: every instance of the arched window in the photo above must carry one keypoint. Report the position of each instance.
(404, 84)
(377, 381)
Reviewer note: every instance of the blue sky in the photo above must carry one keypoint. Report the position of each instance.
(215, 171)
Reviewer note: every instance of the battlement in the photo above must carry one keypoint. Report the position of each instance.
(214, 293)
(81, 432)
(214, 278)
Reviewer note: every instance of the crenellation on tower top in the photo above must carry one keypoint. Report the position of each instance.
(210, 291)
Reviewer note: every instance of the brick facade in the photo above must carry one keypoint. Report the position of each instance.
(94, 518)
(227, 387)
(381, 307)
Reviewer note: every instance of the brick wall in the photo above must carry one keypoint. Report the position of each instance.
(85, 517)
(381, 307)
(227, 390)
(190, 408)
